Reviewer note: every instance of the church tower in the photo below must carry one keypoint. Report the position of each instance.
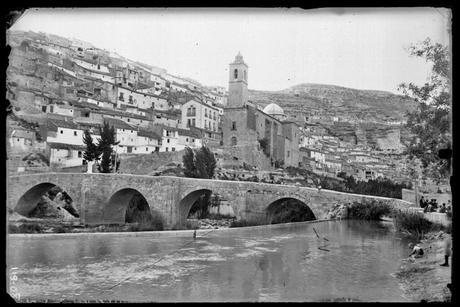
(238, 83)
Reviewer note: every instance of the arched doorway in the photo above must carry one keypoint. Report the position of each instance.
(46, 200)
(130, 206)
(287, 210)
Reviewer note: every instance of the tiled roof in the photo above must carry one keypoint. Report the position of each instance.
(118, 124)
(66, 146)
(149, 133)
(56, 123)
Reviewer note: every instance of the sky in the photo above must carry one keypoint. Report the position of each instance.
(357, 48)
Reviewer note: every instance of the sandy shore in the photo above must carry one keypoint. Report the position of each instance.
(424, 278)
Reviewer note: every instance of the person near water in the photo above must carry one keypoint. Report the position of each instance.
(447, 250)
(417, 251)
(442, 209)
(422, 202)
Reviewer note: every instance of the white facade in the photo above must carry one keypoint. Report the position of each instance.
(170, 140)
(197, 114)
(66, 157)
(66, 136)
(140, 100)
(58, 109)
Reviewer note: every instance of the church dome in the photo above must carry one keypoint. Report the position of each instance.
(274, 110)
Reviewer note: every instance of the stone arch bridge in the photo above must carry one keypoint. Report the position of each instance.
(103, 198)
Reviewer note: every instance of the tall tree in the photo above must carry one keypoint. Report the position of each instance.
(105, 144)
(430, 123)
(189, 163)
(210, 161)
(92, 152)
(199, 163)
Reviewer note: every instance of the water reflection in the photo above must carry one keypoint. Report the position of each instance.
(284, 264)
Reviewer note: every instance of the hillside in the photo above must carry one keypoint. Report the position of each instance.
(370, 116)
(321, 99)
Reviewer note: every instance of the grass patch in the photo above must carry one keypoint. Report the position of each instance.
(409, 272)
(369, 210)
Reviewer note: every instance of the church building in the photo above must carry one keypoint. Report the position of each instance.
(262, 138)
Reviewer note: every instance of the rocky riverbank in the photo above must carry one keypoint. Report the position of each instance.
(423, 278)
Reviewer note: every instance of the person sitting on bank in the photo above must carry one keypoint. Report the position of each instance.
(442, 209)
(428, 208)
(417, 251)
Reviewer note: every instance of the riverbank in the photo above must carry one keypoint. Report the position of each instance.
(423, 278)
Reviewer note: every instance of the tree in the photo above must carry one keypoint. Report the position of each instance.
(430, 123)
(105, 144)
(92, 152)
(199, 163)
(189, 164)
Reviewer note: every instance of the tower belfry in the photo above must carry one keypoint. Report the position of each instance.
(238, 82)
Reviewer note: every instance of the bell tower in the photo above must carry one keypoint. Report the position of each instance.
(238, 83)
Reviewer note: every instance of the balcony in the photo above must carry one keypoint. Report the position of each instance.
(191, 113)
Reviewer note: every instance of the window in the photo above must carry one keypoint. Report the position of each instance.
(233, 141)
(245, 76)
(186, 139)
(188, 122)
(235, 74)
(79, 154)
(205, 112)
(98, 66)
(193, 140)
(173, 149)
(75, 133)
(167, 141)
(166, 148)
(146, 149)
(193, 122)
(233, 125)
(288, 153)
(121, 98)
(62, 131)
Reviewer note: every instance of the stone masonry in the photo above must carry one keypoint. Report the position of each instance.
(103, 198)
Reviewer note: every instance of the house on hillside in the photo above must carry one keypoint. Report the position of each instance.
(22, 140)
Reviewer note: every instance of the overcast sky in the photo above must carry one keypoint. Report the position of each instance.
(362, 49)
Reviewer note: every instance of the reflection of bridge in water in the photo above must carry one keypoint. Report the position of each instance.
(104, 198)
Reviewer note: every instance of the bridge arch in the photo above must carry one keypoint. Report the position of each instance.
(30, 199)
(186, 203)
(115, 208)
(298, 210)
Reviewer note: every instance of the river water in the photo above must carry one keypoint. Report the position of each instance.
(287, 263)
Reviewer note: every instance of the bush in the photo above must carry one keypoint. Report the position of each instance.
(369, 210)
(413, 223)
(253, 221)
(25, 228)
(60, 229)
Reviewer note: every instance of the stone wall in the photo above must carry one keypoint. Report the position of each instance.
(144, 164)
(103, 198)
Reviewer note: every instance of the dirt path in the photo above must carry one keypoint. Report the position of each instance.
(424, 278)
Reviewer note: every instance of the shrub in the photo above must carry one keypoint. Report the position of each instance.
(60, 229)
(368, 210)
(413, 223)
(25, 228)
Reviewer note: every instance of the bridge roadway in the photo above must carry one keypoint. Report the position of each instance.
(103, 198)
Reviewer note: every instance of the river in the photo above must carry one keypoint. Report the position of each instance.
(275, 263)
